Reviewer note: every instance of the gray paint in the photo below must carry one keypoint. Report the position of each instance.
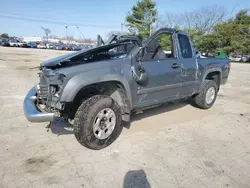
(30, 110)
(164, 82)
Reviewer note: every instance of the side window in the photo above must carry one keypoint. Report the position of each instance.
(161, 47)
(185, 46)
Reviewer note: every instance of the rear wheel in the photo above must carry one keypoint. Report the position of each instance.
(97, 122)
(207, 97)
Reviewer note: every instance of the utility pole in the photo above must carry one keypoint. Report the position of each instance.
(122, 27)
(66, 30)
(81, 34)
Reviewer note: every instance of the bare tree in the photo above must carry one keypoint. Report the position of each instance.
(206, 17)
(202, 19)
(46, 32)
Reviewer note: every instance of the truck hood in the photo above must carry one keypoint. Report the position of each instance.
(60, 59)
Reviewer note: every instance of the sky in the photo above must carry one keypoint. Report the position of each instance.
(26, 17)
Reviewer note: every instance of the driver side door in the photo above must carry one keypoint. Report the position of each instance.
(162, 70)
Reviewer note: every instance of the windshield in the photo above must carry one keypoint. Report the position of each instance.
(109, 52)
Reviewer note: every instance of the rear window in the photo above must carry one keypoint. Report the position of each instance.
(185, 46)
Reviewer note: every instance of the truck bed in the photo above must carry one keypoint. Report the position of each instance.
(224, 64)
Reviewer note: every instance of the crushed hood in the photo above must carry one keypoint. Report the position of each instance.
(64, 59)
(60, 59)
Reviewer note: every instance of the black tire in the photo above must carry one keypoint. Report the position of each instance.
(85, 117)
(200, 99)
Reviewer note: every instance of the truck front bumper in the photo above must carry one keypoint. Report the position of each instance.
(30, 110)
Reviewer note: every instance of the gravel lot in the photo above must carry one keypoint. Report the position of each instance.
(172, 146)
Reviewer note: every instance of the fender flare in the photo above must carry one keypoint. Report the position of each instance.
(76, 83)
(203, 77)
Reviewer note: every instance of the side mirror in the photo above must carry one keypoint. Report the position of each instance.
(140, 76)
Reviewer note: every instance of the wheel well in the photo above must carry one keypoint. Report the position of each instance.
(214, 76)
(114, 89)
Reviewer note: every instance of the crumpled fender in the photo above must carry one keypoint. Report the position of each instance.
(76, 83)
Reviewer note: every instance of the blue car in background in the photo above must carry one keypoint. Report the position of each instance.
(32, 45)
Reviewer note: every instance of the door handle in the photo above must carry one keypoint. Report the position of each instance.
(175, 65)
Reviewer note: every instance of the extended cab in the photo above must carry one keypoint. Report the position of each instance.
(98, 88)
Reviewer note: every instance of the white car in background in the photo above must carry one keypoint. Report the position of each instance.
(13, 43)
(41, 46)
(198, 54)
(22, 44)
(236, 58)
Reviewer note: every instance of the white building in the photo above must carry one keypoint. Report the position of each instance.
(32, 39)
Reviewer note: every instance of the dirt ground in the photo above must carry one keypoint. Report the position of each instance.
(172, 146)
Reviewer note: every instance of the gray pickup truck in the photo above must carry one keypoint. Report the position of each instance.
(99, 88)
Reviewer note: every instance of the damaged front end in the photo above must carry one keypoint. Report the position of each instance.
(42, 104)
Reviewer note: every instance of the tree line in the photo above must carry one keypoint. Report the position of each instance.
(209, 28)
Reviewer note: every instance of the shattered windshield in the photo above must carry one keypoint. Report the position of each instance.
(109, 52)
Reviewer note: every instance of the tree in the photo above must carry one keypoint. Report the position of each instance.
(194, 34)
(46, 32)
(4, 35)
(202, 19)
(233, 34)
(141, 17)
(171, 20)
(207, 44)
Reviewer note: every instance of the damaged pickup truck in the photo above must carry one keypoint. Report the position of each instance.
(99, 88)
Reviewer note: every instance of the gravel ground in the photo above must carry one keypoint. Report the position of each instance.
(172, 146)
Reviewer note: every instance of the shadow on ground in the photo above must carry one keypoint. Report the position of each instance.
(61, 127)
(155, 111)
(136, 178)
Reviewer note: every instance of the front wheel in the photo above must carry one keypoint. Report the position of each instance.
(98, 122)
(207, 97)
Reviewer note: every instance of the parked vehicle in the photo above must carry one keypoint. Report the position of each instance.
(98, 88)
(22, 44)
(58, 46)
(245, 58)
(13, 43)
(50, 45)
(74, 47)
(32, 45)
(41, 46)
(198, 54)
(235, 58)
(65, 47)
(5, 42)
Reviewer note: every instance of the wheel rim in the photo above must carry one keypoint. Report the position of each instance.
(104, 123)
(210, 95)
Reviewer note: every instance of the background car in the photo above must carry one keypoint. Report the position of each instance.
(32, 45)
(50, 45)
(22, 44)
(74, 47)
(236, 58)
(5, 42)
(245, 58)
(66, 47)
(13, 43)
(58, 46)
(41, 46)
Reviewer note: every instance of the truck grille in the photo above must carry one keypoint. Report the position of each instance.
(43, 91)
(43, 88)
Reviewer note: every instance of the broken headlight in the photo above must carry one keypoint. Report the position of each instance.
(54, 89)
